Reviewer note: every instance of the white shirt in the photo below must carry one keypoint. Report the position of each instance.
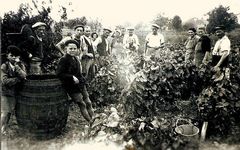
(154, 40)
(128, 39)
(12, 66)
(221, 46)
(87, 38)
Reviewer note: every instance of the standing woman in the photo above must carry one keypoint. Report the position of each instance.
(94, 36)
(203, 48)
(190, 44)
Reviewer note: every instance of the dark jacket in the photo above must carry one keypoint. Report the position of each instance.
(206, 43)
(68, 67)
(44, 49)
(102, 48)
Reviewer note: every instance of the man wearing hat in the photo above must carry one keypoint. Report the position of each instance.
(78, 33)
(130, 40)
(221, 50)
(88, 57)
(102, 43)
(154, 41)
(36, 45)
(103, 46)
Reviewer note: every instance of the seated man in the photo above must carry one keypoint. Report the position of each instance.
(36, 45)
(69, 72)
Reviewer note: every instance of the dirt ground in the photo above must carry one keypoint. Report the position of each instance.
(73, 138)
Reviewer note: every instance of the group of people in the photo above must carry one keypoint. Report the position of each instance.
(81, 52)
(199, 49)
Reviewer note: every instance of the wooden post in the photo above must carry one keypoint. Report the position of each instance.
(204, 131)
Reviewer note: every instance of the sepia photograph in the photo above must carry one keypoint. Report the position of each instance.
(120, 74)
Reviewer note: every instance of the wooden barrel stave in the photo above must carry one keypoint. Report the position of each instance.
(42, 107)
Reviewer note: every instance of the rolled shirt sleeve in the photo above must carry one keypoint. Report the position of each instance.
(223, 45)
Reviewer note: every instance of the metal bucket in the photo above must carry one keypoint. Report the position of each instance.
(187, 130)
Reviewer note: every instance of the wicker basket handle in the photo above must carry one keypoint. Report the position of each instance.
(185, 120)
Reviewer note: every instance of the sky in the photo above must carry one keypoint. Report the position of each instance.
(115, 12)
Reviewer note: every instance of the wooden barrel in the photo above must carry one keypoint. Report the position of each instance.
(42, 106)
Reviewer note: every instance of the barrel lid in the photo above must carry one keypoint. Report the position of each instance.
(36, 59)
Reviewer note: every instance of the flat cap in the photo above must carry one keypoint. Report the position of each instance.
(220, 27)
(130, 28)
(155, 25)
(38, 24)
(107, 28)
(75, 27)
(71, 41)
(14, 50)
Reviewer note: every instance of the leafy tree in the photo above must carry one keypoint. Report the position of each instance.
(177, 23)
(162, 21)
(188, 25)
(73, 22)
(221, 16)
(12, 22)
(95, 24)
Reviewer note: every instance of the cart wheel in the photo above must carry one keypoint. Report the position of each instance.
(204, 131)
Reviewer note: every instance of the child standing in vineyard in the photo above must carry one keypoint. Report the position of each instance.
(13, 72)
(69, 72)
